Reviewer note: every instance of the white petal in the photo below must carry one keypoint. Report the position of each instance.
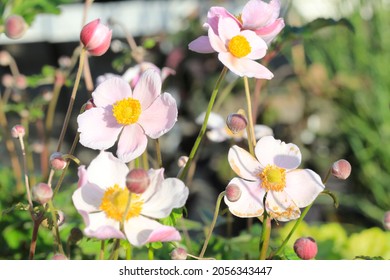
(172, 193)
(280, 206)
(250, 203)
(214, 121)
(106, 170)
(275, 152)
(303, 186)
(99, 226)
(141, 230)
(88, 197)
(243, 163)
(111, 91)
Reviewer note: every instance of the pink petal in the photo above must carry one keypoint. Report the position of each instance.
(245, 67)
(215, 14)
(250, 203)
(106, 170)
(275, 152)
(256, 13)
(110, 91)
(148, 88)
(269, 32)
(88, 198)
(281, 207)
(201, 45)
(141, 230)
(171, 194)
(227, 29)
(243, 163)
(160, 117)
(166, 72)
(258, 45)
(101, 227)
(98, 129)
(303, 186)
(132, 143)
(83, 177)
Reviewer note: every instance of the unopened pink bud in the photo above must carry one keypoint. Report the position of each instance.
(89, 104)
(59, 257)
(341, 169)
(5, 58)
(21, 82)
(15, 26)
(179, 254)
(233, 192)
(236, 122)
(305, 248)
(57, 161)
(96, 37)
(42, 193)
(386, 220)
(137, 180)
(8, 80)
(182, 161)
(18, 131)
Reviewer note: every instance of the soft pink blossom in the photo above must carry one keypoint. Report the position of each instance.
(273, 172)
(133, 74)
(102, 200)
(127, 116)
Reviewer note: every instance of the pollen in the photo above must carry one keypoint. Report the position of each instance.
(239, 46)
(127, 111)
(115, 201)
(273, 178)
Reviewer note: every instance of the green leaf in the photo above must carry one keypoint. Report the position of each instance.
(171, 220)
(17, 207)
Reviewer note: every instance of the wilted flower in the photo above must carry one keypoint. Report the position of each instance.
(129, 116)
(103, 198)
(272, 172)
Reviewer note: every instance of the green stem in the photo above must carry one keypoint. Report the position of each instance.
(128, 252)
(204, 125)
(115, 251)
(102, 249)
(150, 253)
(265, 236)
(56, 232)
(72, 99)
(216, 211)
(251, 135)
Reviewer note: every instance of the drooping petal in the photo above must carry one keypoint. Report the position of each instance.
(228, 28)
(201, 45)
(171, 194)
(106, 170)
(98, 129)
(88, 198)
(243, 163)
(281, 207)
(268, 33)
(111, 91)
(148, 88)
(245, 66)
(303, 186)
(268, 150)
(250, 203)
(160, 116)
(132, 143)
(258, 45)
(100, 227)
(141, 230)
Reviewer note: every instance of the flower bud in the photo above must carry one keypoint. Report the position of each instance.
(179, 254)
(137, 180)
(18, 131)
(341, 169)
(96, 37)
(386, 220)
(42, 193)
(8, 81)
(15, 26)
(61, 218)
(182, 161)
(5, 58)
(89, 104)
(233, 193)
(21, 82)
(57, 162)
(305, 248)
(59, 257)
(236, 122)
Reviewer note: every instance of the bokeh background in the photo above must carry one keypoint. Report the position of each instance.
(330, 96)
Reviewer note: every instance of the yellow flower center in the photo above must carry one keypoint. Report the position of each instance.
(115, 201)
(239, 46)
(127, 111)
(273, 178)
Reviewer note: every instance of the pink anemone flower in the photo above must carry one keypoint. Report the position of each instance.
(127, 115)
(272, 173)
